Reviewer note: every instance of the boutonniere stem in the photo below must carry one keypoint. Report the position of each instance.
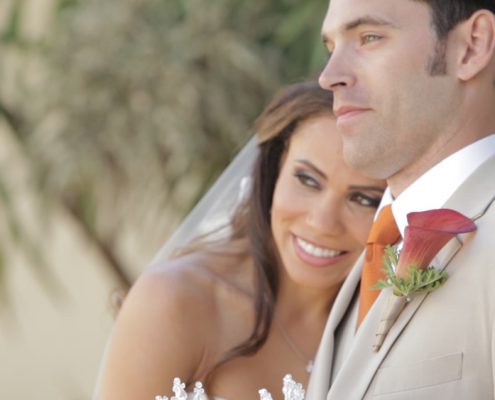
(410, 272)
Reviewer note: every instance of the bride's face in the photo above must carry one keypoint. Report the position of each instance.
(322, 209)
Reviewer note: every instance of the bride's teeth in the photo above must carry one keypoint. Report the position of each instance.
(317, 251)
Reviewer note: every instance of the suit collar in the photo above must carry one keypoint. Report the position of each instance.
(432, 190)
(477, 194)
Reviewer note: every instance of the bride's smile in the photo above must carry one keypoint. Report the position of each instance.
(316, 251)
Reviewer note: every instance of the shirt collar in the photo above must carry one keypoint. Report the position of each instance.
(437, 185)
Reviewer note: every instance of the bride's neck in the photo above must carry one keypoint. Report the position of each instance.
(303, 303)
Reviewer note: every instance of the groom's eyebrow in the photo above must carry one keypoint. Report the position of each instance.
(368, 20)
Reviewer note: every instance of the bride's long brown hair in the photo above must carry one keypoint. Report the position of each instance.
(251, 220)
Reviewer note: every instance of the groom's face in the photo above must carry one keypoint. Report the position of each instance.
(390, 107)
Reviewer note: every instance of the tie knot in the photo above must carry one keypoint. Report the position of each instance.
(384, 230)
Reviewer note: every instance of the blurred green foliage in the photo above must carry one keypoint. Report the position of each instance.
(135, 106)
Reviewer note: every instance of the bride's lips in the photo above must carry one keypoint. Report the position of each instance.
(316, 255)
(346, 113)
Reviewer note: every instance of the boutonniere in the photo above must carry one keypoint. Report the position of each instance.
(410, 272)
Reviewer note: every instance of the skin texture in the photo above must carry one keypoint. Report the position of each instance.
(397, 115)
(322, 201)
(184, 314)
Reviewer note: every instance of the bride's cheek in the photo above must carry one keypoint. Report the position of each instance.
(359, 224)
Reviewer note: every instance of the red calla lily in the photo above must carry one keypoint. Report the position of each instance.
(427, 232)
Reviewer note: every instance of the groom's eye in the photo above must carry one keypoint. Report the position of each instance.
(370, 38)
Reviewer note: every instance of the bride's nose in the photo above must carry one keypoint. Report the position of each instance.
(325, 217)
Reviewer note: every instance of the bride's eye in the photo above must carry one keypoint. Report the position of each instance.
(307, 180)
(365, 200)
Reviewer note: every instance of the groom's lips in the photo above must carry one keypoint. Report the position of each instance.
(348, 112)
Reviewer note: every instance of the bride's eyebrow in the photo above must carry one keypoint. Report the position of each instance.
(313, 167)
(365, 187)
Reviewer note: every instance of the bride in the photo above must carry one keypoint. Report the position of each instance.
(243, 305)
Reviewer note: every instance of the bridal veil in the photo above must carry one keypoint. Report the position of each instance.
(217, 205)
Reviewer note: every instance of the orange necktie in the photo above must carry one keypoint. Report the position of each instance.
(383, 232)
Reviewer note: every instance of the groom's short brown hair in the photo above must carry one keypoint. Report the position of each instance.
(446, 14)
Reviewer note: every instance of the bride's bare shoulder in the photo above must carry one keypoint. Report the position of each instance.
(208, 273)
(199, 289)
(177, 320)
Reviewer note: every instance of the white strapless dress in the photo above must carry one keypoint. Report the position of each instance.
(180, 394)
(291, 390)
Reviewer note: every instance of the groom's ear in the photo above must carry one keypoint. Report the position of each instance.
(474, 41)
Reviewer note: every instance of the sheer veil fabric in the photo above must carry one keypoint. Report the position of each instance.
(218, 204)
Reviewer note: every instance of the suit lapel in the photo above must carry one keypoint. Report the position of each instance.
(320, 378)
(362, 361)
(472, 199)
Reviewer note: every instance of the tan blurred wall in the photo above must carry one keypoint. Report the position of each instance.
(51, 341)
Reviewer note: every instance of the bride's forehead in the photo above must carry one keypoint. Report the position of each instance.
(317, 134)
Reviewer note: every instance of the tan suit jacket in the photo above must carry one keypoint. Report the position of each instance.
(443, 344)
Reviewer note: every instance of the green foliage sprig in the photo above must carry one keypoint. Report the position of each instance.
(418, 280)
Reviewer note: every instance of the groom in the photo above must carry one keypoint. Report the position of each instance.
(414, 88)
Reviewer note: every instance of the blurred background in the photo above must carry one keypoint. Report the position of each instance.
(115, 117)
